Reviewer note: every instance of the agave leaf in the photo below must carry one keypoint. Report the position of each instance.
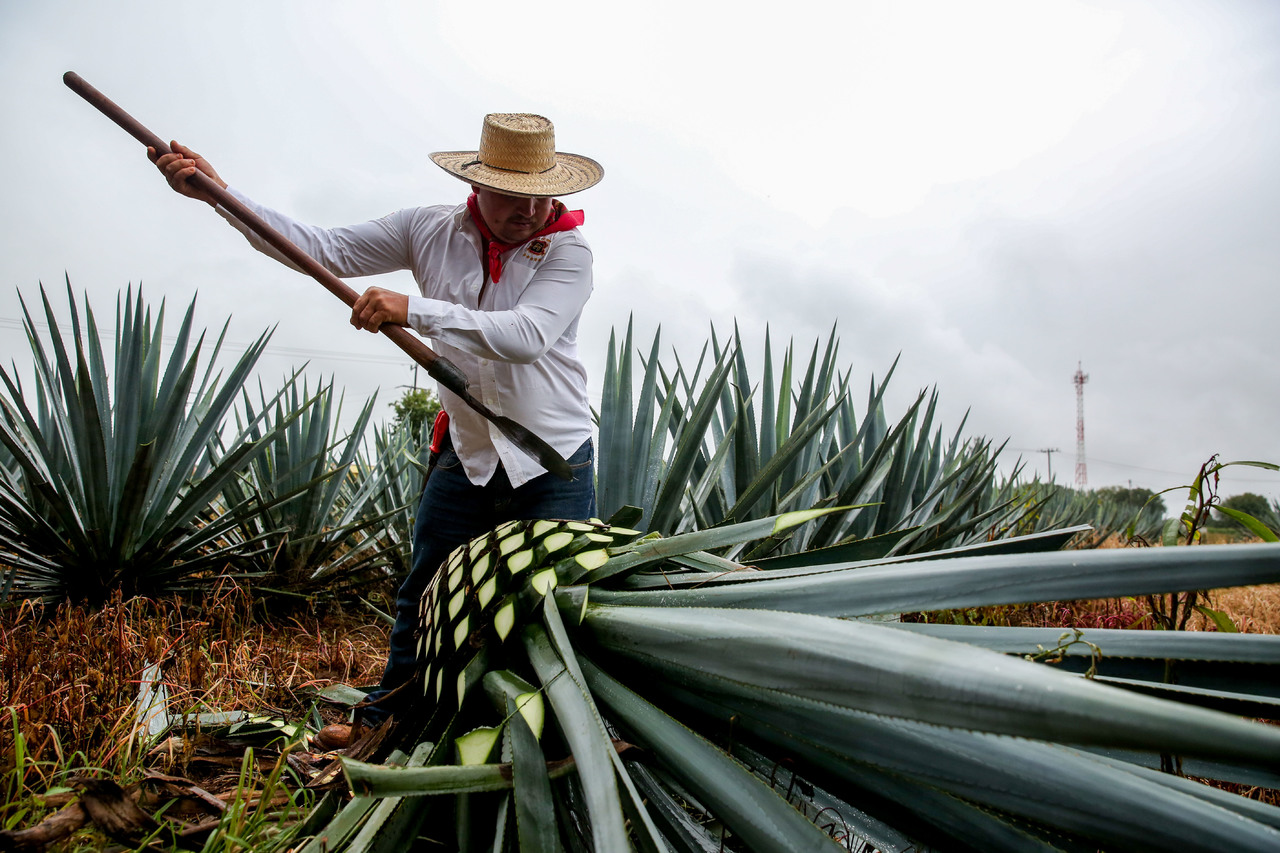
(307, 482)
(671, 815)
(649, 551)
(118, 485)
(1125, 646)
(380, 780)
(535, 809)
(977, 581)
(856, 551)
(868, 552)
(844, 822)
(477, 746)
(1082, 797)
(874, 669)
(688, 446)
(759, 816)
(1252, 809)
(1260, 650)
(1257, 528)
(866, 483)
(648, 837)
(337, 832)
(1200, 768)
(769, 477)
(737, 409)
(582, 728)
(615, 419)
(1232, 702)
(394, 822)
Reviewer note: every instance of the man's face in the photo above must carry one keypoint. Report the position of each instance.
(512, 219)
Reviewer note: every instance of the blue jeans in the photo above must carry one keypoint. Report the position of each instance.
(452, 512)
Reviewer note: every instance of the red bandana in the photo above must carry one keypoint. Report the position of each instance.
(562, 219)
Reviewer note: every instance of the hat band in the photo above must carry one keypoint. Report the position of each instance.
(511, 171)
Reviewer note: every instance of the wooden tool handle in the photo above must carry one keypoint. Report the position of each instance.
(441, 369)
(412, 345)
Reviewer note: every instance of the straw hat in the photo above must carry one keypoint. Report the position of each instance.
(518, 156)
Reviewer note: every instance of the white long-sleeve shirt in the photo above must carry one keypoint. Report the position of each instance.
(518, 345)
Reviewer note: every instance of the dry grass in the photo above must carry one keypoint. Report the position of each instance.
(1254, 609)
(71, 675)
(1103, 613)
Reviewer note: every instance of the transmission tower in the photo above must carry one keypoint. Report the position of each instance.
(1082, 470)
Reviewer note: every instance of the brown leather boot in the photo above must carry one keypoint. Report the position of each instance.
(338, 736)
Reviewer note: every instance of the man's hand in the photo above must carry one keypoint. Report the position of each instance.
(180, 165)
(377, 306)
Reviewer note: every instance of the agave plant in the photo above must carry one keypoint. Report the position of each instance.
(586, 688)
(114, 483)
(401, 454)
(1051, 506)
(306, 494)
(693, 453)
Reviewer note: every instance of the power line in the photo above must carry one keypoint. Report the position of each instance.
(1129, 467)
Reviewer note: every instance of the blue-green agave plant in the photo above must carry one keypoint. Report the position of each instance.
(110, 480)
(308, 496)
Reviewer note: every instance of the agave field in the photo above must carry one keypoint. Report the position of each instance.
(760, 647)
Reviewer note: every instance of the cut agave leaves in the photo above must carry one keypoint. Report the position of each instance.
(743, 710)
(478, 745)
(487, 588)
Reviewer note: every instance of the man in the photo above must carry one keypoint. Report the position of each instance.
(503, 280)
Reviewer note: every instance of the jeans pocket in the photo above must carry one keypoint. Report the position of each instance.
(583, 458)
(448, 459)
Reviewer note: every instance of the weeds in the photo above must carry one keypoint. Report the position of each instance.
(71, 678)
(1071, 638)
(269, 816)
(1119, 613)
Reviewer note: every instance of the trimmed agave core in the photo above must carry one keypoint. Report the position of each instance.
(487, 587)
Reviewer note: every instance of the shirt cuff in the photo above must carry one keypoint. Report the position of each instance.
(422, 313)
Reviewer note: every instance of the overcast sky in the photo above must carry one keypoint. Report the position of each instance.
(998, 191)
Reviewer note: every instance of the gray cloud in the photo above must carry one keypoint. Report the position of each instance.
(992, 241)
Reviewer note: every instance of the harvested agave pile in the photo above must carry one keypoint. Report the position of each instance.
(587, 688)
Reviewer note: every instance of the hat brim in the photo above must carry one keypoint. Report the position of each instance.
(572, 173)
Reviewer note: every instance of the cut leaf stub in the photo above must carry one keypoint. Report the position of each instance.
(485, 588)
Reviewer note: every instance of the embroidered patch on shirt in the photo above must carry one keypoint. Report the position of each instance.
(534, 250)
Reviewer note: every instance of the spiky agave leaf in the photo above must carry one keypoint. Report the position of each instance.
(308, 486)
(941, 735)
(398, 464)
